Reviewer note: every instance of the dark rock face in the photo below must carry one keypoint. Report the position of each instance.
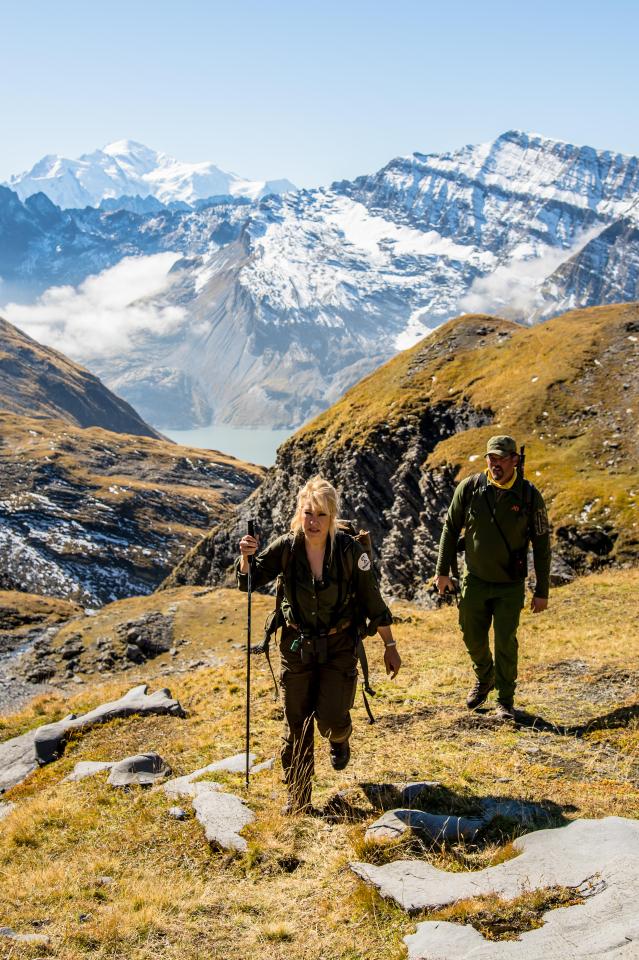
(149, 636)
(586, 547)
(384, 489)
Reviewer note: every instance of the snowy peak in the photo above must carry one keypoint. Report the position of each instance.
(129, 168)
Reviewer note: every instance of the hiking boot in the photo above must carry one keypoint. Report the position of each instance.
(505, 711)
(340, 754)
(478, 693)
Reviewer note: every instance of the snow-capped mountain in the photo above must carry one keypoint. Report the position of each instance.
(288, 301)
(126, 168)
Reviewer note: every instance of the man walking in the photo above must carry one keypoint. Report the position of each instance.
(500, 513)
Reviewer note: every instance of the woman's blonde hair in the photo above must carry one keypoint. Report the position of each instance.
(322, 496)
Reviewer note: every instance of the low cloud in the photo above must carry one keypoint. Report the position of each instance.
(512, 290)
(107, 313)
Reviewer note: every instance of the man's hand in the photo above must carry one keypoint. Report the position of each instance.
(392, 661)
(538, 604)
(443, 584)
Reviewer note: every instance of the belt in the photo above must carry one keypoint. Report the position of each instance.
(328, 633)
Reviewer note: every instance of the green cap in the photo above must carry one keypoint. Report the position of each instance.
(501, 446)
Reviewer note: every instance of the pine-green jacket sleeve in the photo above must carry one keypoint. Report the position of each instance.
(453, 524)
(266, 566)
(540, 541)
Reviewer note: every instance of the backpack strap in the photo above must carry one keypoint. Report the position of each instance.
(274, 620)
(478, 485)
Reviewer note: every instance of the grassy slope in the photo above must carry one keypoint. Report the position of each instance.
(538, 382)
(38, 381)
(170, 893)
(119, 467)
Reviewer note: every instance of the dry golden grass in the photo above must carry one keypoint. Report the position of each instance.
(292, 895)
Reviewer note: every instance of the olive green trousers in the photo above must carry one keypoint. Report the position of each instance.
(314, 692)
(481, 604)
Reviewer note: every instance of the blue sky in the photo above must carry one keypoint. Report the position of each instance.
(314, 91)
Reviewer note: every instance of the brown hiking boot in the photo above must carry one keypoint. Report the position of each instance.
(478, 693)
(505, 711)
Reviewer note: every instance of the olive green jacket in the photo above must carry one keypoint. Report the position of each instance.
(486, 553)
(317, 605)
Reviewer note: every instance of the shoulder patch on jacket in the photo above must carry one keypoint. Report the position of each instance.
(542, 525)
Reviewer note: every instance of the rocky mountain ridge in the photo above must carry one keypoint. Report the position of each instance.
(397, 443)
(292, 299)
(95, 504)
(91, 516)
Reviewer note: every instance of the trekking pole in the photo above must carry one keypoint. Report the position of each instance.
(251, 533)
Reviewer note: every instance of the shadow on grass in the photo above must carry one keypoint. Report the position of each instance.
(501, 815)
(620, 717)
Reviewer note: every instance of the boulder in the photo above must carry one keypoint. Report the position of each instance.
(185, 786)
(142, 770)
(37, 939)
(17, 760)
(5, 808)
(21, 755)
(88, 768)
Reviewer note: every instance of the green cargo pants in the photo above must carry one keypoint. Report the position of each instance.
(314, 692)
(500, 603)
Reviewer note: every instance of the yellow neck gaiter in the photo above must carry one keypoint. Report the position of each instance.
(502, 486)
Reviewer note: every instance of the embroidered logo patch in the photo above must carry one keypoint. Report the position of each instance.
(364, 562)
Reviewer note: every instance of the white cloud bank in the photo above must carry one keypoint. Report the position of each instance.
(106, 313)
(512, 290)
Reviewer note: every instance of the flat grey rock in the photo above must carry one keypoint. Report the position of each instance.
(599, 856)
(5, 808)
(49, 740)
(223, 816)
(185, 786)
(178, 813)
(88, 768)
(264, 765)
(37, 939)
(395, 823)
(142, 770)
(17, 760)
(21, 755)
